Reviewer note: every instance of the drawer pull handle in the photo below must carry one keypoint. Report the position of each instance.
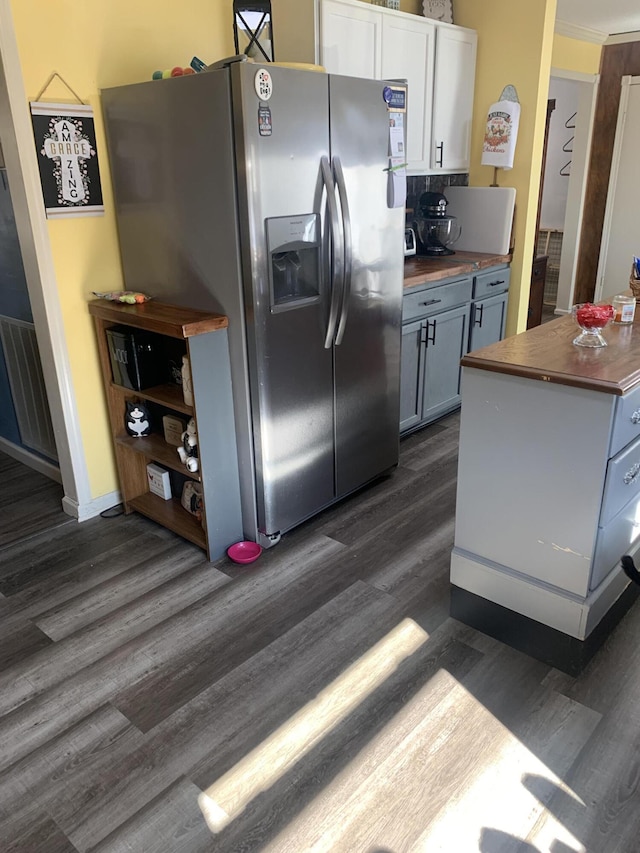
(632, 473)
(495, 283)
(635, 417)
(431, 302)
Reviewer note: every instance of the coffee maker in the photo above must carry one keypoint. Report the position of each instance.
(436, 230)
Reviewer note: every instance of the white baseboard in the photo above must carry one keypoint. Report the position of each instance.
(91, 508)
(20, 454)
(558, 609)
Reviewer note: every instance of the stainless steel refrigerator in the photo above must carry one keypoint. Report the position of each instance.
(265, 193)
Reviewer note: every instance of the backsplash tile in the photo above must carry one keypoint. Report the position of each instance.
(418, 184)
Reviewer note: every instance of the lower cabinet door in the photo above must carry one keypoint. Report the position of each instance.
(488, 317)
(411, 374)
(446, 343)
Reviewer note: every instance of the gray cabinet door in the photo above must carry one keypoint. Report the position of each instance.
(446, 343)
(411, 374)
(488, 317)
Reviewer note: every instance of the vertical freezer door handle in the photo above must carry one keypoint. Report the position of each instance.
(348, 255)
(337, 252)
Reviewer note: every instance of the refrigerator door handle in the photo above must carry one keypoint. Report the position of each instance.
(337, 252)
(348, 254)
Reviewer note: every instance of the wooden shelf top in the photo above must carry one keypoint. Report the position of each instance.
(172, 320)
(546, 353)
(421, 269)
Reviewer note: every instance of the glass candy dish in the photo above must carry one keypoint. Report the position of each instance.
(591, 319)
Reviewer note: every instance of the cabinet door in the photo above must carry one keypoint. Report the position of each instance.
(454, 79)
(488, 317)
(411, 374)
(446, 343)
(408, 49)
(351, 38)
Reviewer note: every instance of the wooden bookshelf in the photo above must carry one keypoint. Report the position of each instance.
(205, 342)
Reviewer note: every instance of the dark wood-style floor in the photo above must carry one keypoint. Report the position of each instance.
(319, 700)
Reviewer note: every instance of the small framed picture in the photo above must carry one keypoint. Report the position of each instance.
(439, 10)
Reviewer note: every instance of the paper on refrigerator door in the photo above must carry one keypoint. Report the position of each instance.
(397, 186)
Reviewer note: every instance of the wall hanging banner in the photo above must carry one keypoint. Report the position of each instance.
(501, 134)
(67, 159)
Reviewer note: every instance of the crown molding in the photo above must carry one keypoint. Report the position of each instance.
(622, 38)
(574, 31)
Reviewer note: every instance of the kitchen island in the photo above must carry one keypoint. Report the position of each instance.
(548, 490)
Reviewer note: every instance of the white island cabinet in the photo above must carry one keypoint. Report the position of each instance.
(363, 40)
(548, 490)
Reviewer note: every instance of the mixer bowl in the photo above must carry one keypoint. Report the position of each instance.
(437, 233)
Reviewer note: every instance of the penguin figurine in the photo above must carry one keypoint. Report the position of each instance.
(137, 420)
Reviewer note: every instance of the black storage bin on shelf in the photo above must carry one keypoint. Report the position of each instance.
(136, 358)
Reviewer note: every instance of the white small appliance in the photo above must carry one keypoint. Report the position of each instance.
(409, 242)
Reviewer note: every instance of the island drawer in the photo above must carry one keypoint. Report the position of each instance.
(491, 282)
(626, 425)
(614, 540)
(622, 482)
(436, 299)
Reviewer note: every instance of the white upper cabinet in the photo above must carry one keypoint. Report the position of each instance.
(351, 38)
(408, 48)
(437, 60)
(454, 77)
(362, 40)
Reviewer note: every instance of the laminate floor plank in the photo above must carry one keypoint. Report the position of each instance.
(188, 580)
(153, 572)
(20, 643)
(34, 832)
(201, 738)
(89, 746)
(40, 596)
(171, 823)
(41, 558)
(259, 607)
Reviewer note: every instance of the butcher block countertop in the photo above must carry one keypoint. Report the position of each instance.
(546, 353)
(420, 269)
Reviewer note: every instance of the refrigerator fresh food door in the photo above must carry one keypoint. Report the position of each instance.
(282, 134)
(367, 342)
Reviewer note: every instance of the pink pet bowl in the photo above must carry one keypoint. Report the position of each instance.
(244, 552)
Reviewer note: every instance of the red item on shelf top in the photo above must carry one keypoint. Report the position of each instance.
(594, 316)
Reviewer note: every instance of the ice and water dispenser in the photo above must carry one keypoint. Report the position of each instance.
(293, 243)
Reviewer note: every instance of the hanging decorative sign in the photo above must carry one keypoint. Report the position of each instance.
(501, 134)
(67, 159)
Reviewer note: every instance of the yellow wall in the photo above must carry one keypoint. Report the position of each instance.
(513, 48)
(574, 55)
(93, 46)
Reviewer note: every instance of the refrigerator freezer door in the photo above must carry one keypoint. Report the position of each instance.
(280, 140)
(367, 359)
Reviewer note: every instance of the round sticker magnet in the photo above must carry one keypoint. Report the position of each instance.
(263, 84)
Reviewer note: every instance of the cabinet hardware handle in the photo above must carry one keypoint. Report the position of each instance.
(495, 283)
(431, 302)
(440, 148)
(635, 417)
(432, 339)
(632, 473)
(478, 311)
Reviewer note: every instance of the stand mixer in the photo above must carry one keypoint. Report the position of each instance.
(436, 230)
